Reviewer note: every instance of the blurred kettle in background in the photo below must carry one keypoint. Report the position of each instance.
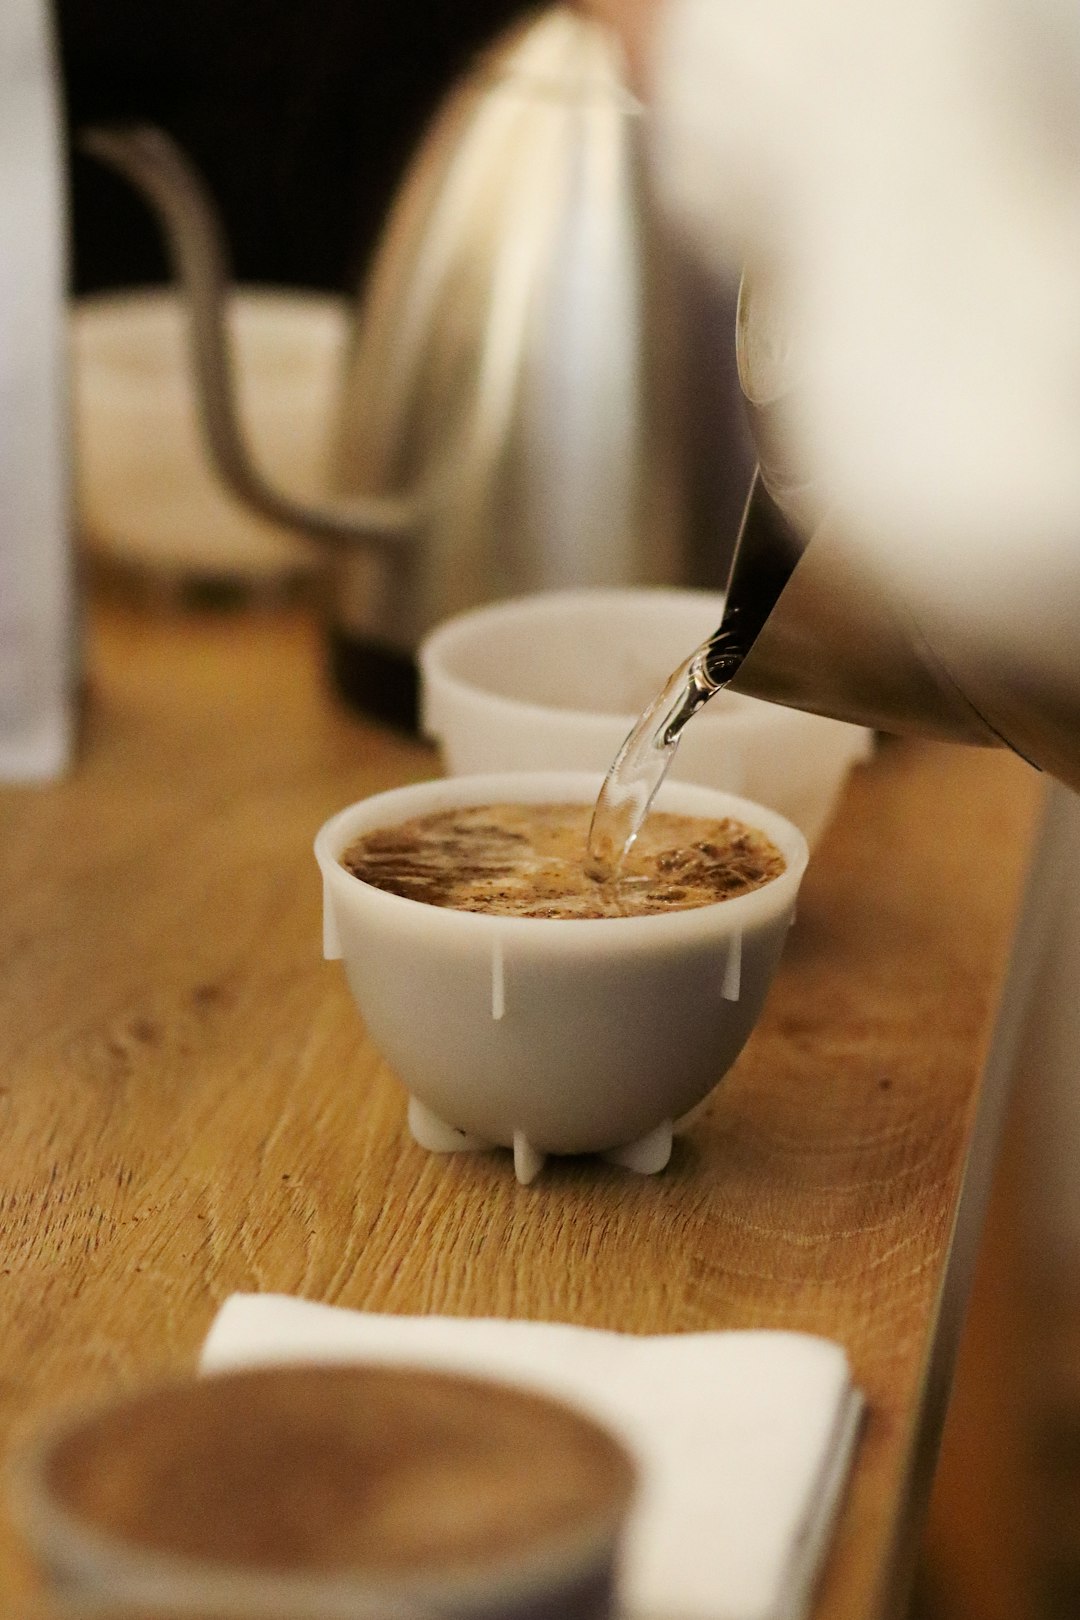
(519, 408)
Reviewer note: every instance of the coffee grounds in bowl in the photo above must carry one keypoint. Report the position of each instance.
(527, 860)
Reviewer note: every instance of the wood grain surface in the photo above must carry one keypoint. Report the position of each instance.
(189, 1104)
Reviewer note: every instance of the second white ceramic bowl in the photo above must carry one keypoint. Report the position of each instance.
(555, 681)
(547, 1035)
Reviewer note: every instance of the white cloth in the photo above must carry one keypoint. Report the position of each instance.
(743, 1439)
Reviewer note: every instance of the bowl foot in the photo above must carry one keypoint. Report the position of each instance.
(648, 1154)
(528, 1161)
(429, 1131)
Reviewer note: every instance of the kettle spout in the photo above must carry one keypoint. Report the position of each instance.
(157, 168)
(823, 633)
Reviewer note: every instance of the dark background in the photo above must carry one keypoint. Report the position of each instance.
(300, 114)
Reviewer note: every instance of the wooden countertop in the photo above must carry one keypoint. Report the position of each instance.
(189, 1105)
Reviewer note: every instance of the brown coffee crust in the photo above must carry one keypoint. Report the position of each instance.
(528, 860)
(370, 1470)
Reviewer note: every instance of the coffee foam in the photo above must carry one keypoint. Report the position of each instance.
(527, 860)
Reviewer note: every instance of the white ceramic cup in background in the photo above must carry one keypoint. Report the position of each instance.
(313, 1492)
(554, 1035)
(555, 681)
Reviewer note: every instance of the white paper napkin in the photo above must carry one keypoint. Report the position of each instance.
(743, 1439)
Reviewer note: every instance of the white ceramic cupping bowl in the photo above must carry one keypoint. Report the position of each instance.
(555, 681)
(546, 1035)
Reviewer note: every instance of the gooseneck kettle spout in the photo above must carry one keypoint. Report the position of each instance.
(154, 164)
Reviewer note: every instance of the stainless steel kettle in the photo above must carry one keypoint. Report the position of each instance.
(965, 636)
(514, 413)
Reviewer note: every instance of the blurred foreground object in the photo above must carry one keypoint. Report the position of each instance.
(906, 180)
(37, 631)
(332, 1493)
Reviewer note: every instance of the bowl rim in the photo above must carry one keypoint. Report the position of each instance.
(720, 918)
